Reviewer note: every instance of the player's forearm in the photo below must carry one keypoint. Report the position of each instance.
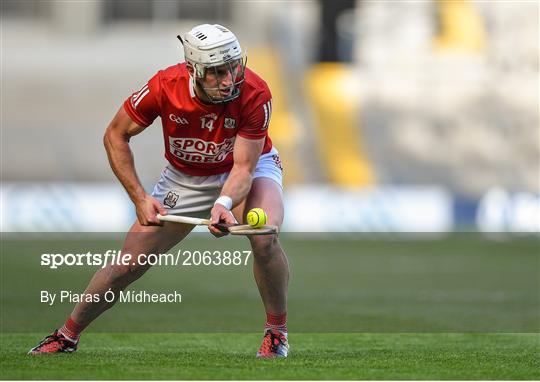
(237, 185)
(123, 165)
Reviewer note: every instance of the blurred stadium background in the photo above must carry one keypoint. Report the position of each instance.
(389, 116)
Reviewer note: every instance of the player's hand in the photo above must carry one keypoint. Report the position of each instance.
(220, 214)
(147, 210)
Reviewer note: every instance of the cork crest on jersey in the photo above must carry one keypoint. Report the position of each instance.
(229, 123)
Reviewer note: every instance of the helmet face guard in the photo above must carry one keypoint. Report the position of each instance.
(217, 61)
(210, 79)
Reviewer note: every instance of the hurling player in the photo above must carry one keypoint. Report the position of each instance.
(215, 114)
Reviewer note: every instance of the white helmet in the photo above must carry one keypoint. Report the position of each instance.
(209, 47)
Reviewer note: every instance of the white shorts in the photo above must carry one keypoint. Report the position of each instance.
(189, 195)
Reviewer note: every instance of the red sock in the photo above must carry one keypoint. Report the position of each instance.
(71, 330)
(276, 321)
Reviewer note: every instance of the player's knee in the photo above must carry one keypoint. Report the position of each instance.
(264, 246)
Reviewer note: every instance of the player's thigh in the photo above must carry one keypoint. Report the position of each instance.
(266, 194)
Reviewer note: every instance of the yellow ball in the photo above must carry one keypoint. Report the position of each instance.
(256, 217)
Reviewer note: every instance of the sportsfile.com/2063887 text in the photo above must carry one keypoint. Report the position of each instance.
(113, 257)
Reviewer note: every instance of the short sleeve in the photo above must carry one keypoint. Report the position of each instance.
(143, 106)
(258, 117)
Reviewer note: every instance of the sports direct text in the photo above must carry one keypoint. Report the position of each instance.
(198, 150)
(114, 257)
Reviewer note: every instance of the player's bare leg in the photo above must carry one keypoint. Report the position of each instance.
(140, 241)
(270, 265)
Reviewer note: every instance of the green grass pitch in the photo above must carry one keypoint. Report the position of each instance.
(313, 356)
(459, 307)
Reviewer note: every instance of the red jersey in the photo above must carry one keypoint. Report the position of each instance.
(199, 137)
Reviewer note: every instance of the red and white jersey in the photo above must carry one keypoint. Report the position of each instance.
(199, 137)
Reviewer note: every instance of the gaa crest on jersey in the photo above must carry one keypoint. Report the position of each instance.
(170, 199)
(207, 121)
(178, 120)
(230, 123)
